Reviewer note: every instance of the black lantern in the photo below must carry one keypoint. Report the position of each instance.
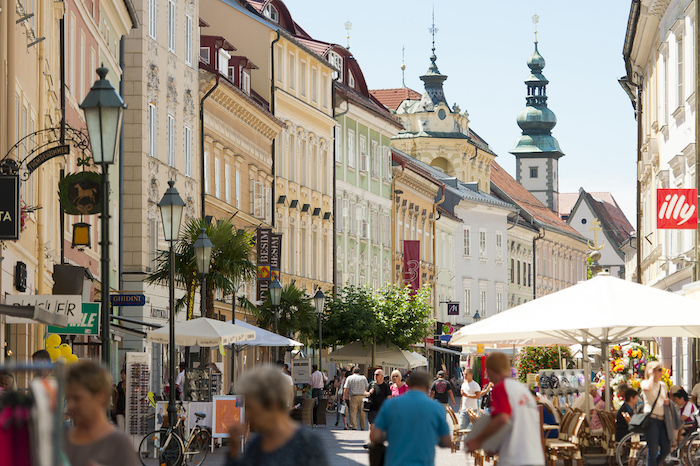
(202, 250)
(476, 317)
(171, 207)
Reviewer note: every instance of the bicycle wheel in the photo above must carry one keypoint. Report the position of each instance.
(199, 446)
(161, 448)
(691, 450)
(631, 450)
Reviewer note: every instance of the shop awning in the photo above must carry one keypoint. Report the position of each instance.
(32, 315)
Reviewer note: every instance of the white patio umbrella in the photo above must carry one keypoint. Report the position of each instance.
(384, 356)
(202, 332)
(599, 311)
(265, 337)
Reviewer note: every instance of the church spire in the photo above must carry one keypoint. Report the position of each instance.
(432, 79)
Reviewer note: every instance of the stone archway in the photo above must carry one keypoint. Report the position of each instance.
(444, 165)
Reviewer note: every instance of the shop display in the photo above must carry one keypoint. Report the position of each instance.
(138, 376)
(217, 383)
(198, 385)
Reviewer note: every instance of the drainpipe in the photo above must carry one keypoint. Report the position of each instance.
(696, 266)
(540, 235)
(122, 65)
(274, 141)
(394, 220)
(639, 184)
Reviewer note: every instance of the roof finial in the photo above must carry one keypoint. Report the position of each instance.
(348, 26)
(535, 20)
(433, 30)
(403, 66)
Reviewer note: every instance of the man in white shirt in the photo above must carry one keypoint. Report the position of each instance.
(471, 392)
(317, 381)
(180, 381)
(580, 401)
(355, 387)
(283, 367)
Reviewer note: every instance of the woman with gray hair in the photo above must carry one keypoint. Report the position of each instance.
(655, 397)
(277, 439)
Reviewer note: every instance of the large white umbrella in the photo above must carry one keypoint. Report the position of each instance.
(384, 356)
(265, 337)
(599, 311)
(202, 332)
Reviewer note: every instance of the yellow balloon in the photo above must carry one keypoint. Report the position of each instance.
(53, 340)
(71, 358)
(65, 350)
(55, 353)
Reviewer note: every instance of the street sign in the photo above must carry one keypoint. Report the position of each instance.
(445, 337)
(67, 304)
(301, 370)
(453, 309)
(89, 323)
(9, 207)
(128, 299)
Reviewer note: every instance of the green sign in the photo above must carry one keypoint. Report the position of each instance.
(89, 322)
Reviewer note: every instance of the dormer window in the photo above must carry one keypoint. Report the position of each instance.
(351, 80)
(204, 54)
(224, 58)
(271, 12)
(337, 61)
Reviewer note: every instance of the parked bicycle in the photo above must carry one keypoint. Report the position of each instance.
(632, 450)
(171, 449)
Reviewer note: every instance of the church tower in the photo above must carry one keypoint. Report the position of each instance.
(536, 152)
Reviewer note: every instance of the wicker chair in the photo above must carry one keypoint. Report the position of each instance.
(456, 431)
(307, 412)
(570, 448)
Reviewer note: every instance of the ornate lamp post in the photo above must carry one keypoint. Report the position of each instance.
(171, 207)
(275, 297)
(104, 112)
(476, 317)
(202, 251)
(319, 301)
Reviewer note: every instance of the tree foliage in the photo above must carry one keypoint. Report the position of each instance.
(388, 316)
(231, 262)
(297, 315)
(532, 359)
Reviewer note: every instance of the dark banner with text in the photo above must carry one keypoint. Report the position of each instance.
(411, 264)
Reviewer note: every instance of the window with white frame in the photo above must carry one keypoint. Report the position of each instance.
(188, 40)
(82, 77)
(171, 140)
(351, 80)
(217, 176)
(387, 163)
(206, 172)
(152, 130)
(364, 156)
(152, 17)
(292, 71)
(351, 149)
(467, 300)
(482, 244)
(302, 78)
(314, 85)
(171, 25)
(238, 189)
(324, 91)
(258, 191)
(482, 302)
(375, 159)
(338, 144)
(280, 64)
(499, 246)
(499, 301)
(466, 244)
(337, 61)
(205, 54)
(681, 70)
(271, 12)
(188, 150)
(227, 183)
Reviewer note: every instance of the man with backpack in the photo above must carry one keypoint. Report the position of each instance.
(442, 390)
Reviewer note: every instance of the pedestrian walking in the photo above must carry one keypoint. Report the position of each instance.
(93, 439)
(355, 387)
(398, 386)
(511, 401)
(278, 440)
(655, 398)
(180, 383)
(471, 392)
(341, 401)
(413, 425)
(317, 381)
(7, 381)
(283, 368)
(442, 390)
(120, 402)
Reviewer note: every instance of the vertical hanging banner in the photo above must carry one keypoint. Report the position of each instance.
(263, 246)
(677, 209)
(275, 256)
(411, 264)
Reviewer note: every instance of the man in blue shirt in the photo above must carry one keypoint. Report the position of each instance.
(413, 424)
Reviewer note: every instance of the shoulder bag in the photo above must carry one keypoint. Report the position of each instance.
(639, 423)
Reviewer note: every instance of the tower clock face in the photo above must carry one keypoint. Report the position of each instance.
(442, 114)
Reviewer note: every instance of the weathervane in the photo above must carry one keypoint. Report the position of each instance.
(433, 30)
(348, 26)
(535, 20)
(403, 66)
(595, 228)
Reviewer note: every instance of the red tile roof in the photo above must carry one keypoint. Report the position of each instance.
(613, 220)
(392, 98)
(316, 46)
(526, 201)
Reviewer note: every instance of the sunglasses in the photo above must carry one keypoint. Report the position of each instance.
(658, 369)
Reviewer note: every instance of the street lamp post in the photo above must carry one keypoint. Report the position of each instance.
(275, 297)
(171, 207)
(476, 317)
(104, 112)
(319, 301)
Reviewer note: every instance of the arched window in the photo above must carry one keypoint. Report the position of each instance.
(271, 12)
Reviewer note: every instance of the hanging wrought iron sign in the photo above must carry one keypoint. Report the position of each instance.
(47, 155)
(81, 193)
(9, 207)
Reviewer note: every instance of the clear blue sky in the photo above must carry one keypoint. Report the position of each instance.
(483, 46)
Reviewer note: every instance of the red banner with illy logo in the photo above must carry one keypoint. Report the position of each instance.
(411, 264)
(677, 209)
